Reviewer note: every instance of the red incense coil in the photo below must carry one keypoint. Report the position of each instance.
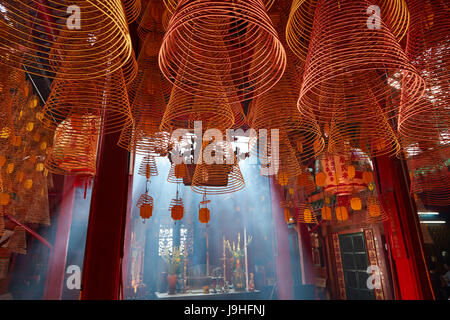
(428, 48)
(354, 73)
(37, 37)
(222, 44)
(101, 98)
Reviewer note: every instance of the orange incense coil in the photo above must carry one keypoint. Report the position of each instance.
(177, 173)
(222, 44)
(374, 211)
(144, 140)
(145, 205)
(351, 68)
(183, 109)
(152, 20)
(101, 98)
(211, 177)
(74, 148)
(176, 208)
(37, 36)
(306, 214)
(428, 48)
(132, 9)
(430, 177)
(394, 14)
(148, 167)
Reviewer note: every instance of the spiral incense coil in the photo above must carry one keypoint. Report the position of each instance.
(144, 140)
(394, 13)
(222, 43)
(374, 136)
(18, 241)
(152, 20)
(178, 173)
(39, 209)
(428, 48)
(217, 178)
(183, 109)
(132, 9)
(74, 148)
(374, 211)
(38, 37)
(144, 199)
(306, 214)
(101, 98)
(351, 68)
(176, 208)
(148, 167)
(430, 177)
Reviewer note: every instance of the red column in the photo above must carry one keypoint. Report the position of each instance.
(283, 262)
(56, 268)
(403, 231)
(105, 234)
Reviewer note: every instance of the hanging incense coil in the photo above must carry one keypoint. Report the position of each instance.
(74, 148)
(306, 214)
(430, 176)
(148, 167)
(39, 211)
(103, 99)
(176, 208)
(350, 68)
(374, 211)
(209, 38)
(428, 48)
(145, 205)
(394, 13)
(132, 9)
(177, 173)
(219, 175)
(18, 241)
(38, 37)
(152, 20)
(183, 109)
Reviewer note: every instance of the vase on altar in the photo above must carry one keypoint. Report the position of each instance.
(238, 277)
(172, 283)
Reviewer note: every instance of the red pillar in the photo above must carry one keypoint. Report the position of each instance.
(105, 234)
(56, 268)
(403, 231)
(283, 262)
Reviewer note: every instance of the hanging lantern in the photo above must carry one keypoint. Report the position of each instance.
(341, 213)
(320, 179)
(351, 171)
(145, 205)
(356, 203)
(367, 177)
(326, 213)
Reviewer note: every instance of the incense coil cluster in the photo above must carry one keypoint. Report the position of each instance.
(132, 9)
(75, 144)
(104, 99)
(100, 46)
(299, 27)
(218, 176)
(430, 176)
(177, 173)
(354, 75)
(428, 48)
(216, 42)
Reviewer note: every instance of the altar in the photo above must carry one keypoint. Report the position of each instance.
(200, 295)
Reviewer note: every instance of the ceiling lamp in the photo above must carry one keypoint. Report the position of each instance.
(43, 39)
(301, 18)
(233, 39)
(428, 48)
